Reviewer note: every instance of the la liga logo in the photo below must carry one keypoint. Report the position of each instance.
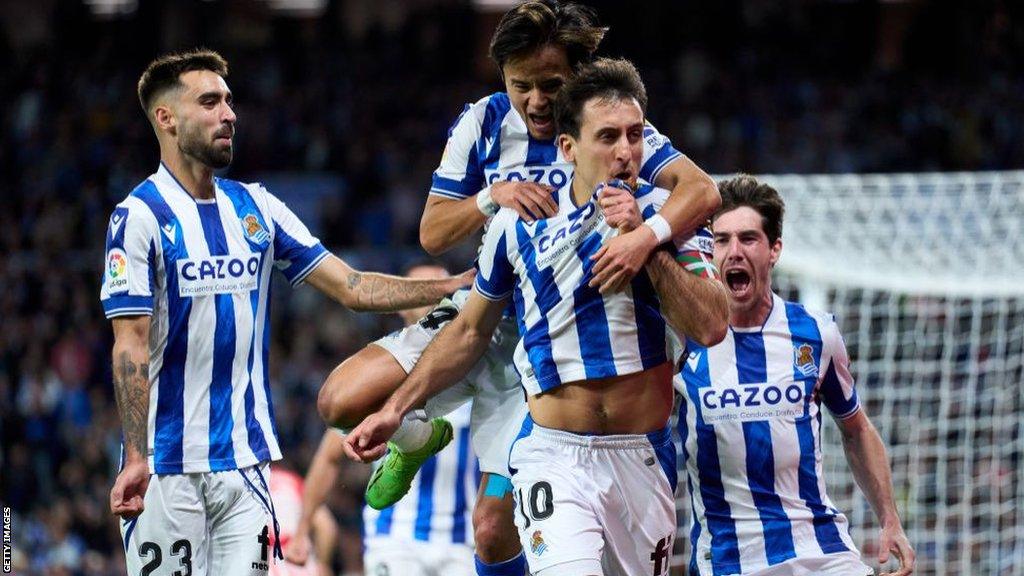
(117, 270)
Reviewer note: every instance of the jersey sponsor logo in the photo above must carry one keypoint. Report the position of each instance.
(554, 177)
(117, 270)
(752, 402)
(804, 360)
(218, 275)
(552, 243)
(254, 231)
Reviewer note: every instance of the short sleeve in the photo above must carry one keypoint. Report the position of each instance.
(460, 174)
(658, 153)
(495, 277)
(130, 261)
(296, 251)
(837, 390)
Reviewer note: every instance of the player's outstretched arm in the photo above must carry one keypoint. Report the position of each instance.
(870, 465)
(374, 292)
(131, 390)
(695, 306)
(694, 197)
(320, 478)
(447, 359)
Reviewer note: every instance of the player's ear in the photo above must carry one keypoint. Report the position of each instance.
(164, 119)
(567, 145)
(776, 251)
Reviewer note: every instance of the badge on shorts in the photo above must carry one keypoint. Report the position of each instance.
(537, 545)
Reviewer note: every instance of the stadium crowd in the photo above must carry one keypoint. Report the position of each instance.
(751, 85)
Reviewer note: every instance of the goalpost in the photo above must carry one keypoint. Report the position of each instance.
(925, 275)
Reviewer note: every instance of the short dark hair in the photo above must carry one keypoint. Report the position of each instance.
(165, 72)
(532, 25)
(745, 190)
(609, 79)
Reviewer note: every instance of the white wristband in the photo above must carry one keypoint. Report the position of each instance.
(658, 225)
(485, 203)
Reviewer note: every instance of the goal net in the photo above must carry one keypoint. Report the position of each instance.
(925, 275)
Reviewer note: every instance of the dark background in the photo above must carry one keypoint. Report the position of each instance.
(343, 112)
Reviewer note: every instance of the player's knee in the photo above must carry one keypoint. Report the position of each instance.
(493, 532)
(338, 406)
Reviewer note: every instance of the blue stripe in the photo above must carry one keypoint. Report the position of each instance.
(266, 361)
(244, 204)
(661, 441)
(537, 340)
(459, 514)
(590, 317)
(425, 503)
(456, 189)
(170, 408)
(657, 162)
(524, 431)
(383, 527)
(752, 368)
(804, 330)
(650, 324)
(540, 152)
(725, 554)
(118, 304)
(128, 532)
(502, 279)
(222, 449)
(498, 107)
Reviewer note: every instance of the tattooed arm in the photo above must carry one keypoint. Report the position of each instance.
(131, 388)
(373, 292)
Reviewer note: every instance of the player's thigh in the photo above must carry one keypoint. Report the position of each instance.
(494, 529)
(386, 558)
(499, 408)
(359, 386)
(554, 507)
(170, 536)
(641, 527)
(240, 522)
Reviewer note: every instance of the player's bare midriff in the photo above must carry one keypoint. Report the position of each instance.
(636, 403)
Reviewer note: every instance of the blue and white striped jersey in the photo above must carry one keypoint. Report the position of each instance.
(202, 271)
(489, 142)
(569, 330)
(439, 506)
(750, 424)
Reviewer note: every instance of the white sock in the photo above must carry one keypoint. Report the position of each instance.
(412, 435)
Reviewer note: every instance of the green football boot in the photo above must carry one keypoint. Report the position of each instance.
(392, 479)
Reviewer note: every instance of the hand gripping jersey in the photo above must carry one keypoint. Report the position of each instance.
(202, 271)
(571, 331)
(750, 424)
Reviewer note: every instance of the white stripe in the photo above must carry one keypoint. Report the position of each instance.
(699, 510)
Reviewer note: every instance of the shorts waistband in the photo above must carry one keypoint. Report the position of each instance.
(609, 441)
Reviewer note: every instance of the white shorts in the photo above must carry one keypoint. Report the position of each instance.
(393, 557)
(499, 405)
(205, 523)
(594, 504)
(836, 564)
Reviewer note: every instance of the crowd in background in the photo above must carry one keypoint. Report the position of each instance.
(365, 93)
